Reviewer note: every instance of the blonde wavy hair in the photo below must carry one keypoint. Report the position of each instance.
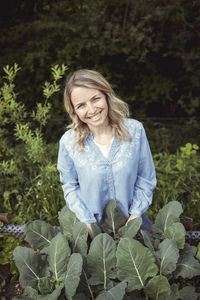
(117, 109)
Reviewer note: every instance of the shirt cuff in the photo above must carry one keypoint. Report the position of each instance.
(135, 212)
(88, 221)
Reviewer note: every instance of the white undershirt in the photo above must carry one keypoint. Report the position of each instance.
(105, 149)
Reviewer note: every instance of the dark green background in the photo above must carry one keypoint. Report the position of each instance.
(148, 51)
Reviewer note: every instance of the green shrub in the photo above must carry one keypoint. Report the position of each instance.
(30, 185)
(178, 179)
(169, 134)
(63, 265)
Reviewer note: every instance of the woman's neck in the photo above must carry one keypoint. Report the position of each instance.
(103, 134)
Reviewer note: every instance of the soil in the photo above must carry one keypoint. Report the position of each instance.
(10, 289)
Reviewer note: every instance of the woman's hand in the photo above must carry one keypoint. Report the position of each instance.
(89, 228)
(131, 218)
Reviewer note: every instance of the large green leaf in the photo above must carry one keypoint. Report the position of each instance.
(167, 216)
(46, 285)
(130, 230)
(31, 266)
(73, 274)
(115, 293)
(147, 240)
(39, 234)
(157, 287)
(80, 296)
(113, 218)
(135, 263)
(101, 260)
(53, 296)
(58, 256)
(67, 219)
(30, 292)
(96, 229)
(133, 296)
(187, 266)
(79, 241)
(186, 293)
(168, 255)
(83, 284)
(176, 231)
(174, 294)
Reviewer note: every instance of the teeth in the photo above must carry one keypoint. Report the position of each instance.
(96, 117)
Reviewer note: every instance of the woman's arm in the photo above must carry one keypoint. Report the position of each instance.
(146, 179)
(71, 188)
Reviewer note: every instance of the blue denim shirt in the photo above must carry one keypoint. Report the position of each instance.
(90, 180)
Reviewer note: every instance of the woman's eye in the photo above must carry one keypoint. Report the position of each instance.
(80, 106)
(96, 99)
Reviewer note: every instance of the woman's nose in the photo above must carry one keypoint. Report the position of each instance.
(91, 108)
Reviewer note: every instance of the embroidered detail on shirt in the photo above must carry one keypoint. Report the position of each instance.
(88, 155)
(94, 167)
(120, 164)
(104, 179)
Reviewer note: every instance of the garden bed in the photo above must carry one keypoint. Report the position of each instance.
(12, 288)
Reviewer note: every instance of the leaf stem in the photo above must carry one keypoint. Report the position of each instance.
(89, 288)
(113, 226)
(104, 274)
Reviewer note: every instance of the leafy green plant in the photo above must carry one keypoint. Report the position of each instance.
(114, 265)
(198, 252)
(7, 244)
(178, 179)
(30, 187)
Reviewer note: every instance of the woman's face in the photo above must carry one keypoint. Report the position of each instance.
(91, 106)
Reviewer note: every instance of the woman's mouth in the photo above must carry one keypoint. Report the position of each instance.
(95, 117)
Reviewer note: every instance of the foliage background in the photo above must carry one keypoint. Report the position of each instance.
(148, 50)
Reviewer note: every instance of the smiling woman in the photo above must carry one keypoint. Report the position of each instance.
(104, 155)
(91, 107)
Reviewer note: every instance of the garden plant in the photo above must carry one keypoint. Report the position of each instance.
(30, 185)
(121, 262)
(178, 178)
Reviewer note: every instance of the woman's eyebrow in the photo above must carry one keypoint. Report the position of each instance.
(96, 95)
(77, 104)
(82, 101)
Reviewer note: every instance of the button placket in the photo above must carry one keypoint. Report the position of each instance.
(110, 182)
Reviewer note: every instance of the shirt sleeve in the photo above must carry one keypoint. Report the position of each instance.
(71, 188)
(146, 179)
